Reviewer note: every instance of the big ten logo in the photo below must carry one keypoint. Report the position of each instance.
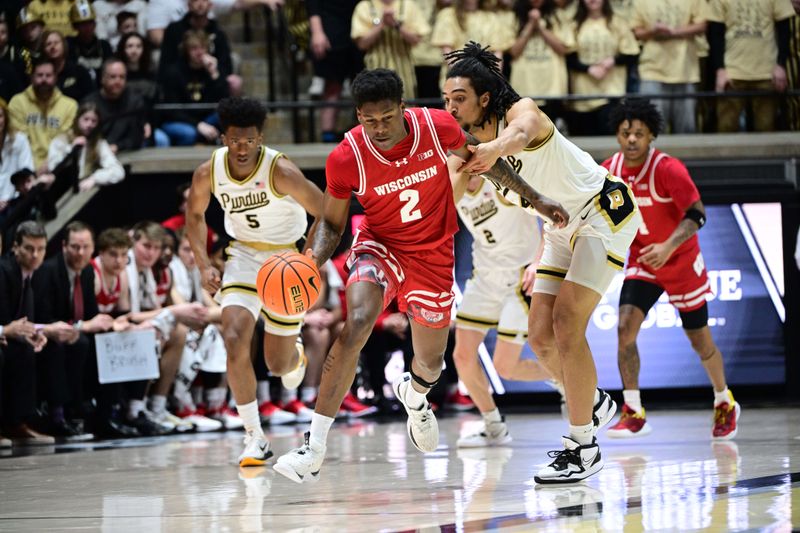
(297, 299)
(724, 286)
(425, 155)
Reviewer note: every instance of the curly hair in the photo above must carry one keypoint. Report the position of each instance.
(482, 68)
(631, 109)
(241, 113)
(376, 85)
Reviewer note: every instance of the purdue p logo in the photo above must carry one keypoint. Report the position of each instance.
(615, 199)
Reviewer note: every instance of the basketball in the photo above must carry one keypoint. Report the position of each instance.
(288, 283)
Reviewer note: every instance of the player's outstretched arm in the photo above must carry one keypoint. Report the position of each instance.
(196, 228)
(503, 175)
(330, 228)
(289, 180)
(526, 123)
(458, 180)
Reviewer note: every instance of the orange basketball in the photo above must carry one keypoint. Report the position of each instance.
(288, 283)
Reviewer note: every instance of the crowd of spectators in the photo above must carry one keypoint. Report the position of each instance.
(79, 82)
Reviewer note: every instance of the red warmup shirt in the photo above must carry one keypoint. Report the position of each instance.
(405, 192)
(664, 191)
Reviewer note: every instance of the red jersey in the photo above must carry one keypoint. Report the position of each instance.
(664, 191)
(108, 297)
(405, 192)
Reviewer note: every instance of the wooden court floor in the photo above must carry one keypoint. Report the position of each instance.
(373, 479)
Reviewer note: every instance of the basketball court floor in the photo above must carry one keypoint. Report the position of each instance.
(375, 480)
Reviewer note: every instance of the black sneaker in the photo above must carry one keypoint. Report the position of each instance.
(148, 427)
(69, 430)
(572, 464)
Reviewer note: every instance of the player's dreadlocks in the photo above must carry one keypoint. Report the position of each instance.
(631, 109)
(482, 68)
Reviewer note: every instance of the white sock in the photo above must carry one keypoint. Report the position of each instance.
(596, 396)
(134, 408)
(248, 412)
(216, 398)
(492, 417)
(723, 396)
(288, 395)
(320, 425)
(582, 434)
(414, 399)
(158, 403)
(633, 399)
(262, 391)
(307, 394)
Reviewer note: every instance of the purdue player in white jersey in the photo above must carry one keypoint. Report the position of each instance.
(506, 242)
(265, 198)
(578, 261)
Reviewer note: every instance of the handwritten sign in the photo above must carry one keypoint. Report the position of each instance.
(127, 356)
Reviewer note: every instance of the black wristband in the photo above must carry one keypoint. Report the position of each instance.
(696, 216)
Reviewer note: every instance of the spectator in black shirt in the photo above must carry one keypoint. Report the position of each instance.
(218, 46)
(73, 80)
(194, 79)
(85, 48)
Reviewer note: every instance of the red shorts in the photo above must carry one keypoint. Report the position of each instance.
(422, 280)
(684, 277)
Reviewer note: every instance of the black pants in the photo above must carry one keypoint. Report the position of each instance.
(19, 382)
(62, 372)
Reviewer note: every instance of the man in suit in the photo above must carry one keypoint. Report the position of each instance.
(18, 298)
(68, 283)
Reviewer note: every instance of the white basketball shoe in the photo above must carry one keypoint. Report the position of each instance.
(302, 464)
(256, 450)
(423, 430)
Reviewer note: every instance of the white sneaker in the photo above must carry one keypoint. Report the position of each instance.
(604, 410)
(293, 379)
(572, 464)
(227, 417)
(302, 464)
(256, 450)
(495, 434)
(203, 424)
(423, 430)
(181, 425)
(159, 421)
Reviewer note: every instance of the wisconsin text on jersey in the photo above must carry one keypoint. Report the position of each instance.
(481, 213)
(407, 181)
(244, 202)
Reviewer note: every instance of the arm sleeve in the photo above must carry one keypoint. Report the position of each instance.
(573, 63)
(674, 178)
(450, 134)
(716, 42)
(341, 172)
(782, 36)
(110, 170)
(313, 7)
(625, 60)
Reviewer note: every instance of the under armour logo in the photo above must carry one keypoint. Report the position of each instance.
(400, 162)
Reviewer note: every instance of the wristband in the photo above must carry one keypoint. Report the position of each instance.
(696, 216)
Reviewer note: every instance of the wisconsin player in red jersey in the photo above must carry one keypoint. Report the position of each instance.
(396, 163)
(110, 278)
(664, 256)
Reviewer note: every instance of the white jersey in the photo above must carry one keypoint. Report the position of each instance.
(504, 236)
(254, 211)
(559, 170)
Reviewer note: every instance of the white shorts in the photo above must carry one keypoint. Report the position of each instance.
(611, 219)
(239, 288)
(494, 299)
